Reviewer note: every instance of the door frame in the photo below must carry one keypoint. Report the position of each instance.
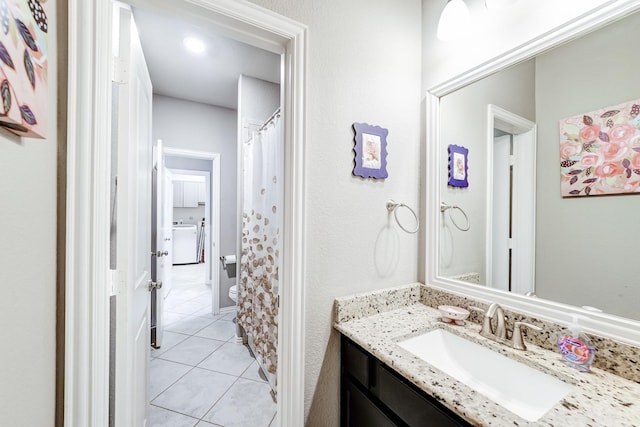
(212, 241)
(88, 281)
(524, 198)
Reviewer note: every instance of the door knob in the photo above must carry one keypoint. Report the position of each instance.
(160, 253)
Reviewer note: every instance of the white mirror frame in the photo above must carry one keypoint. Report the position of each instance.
(607, 325)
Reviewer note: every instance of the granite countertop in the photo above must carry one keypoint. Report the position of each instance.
(598, 398)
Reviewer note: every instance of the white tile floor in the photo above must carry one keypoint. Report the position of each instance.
(201, 376)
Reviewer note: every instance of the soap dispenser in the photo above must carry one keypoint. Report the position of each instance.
(576, 347)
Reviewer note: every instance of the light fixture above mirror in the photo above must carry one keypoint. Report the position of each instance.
(455, 19)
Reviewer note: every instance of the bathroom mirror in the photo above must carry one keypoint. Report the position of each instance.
(583, 253)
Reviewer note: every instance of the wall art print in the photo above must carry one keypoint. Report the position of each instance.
(24, 66)
(458, 158)
(371, 151)
(600, 151)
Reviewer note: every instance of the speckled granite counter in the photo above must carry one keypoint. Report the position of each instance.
(378, 320)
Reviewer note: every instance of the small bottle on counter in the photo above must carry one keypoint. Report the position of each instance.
(576, 347)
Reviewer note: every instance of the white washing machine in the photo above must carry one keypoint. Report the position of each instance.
(185, 244)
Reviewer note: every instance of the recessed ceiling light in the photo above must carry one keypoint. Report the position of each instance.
(194, 45)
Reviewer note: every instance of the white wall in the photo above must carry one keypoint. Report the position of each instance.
(201, 127)
(493, 32)
(363, 66)
(189, 215)
(28, 177)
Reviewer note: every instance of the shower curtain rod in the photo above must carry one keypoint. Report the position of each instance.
(270, 119)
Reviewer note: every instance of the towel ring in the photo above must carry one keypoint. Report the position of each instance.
(393, 206)
(444, 207)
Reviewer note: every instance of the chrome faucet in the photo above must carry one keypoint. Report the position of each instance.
(516, 338)
(500, 332)
(487, 330)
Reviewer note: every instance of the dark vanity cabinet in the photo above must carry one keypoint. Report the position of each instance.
(373, 395)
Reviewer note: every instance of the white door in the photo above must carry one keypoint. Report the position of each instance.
(161, 250)
(133, 236)
(524, 208)
(499, 276)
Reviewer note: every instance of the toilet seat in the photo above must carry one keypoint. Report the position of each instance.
(233, 293)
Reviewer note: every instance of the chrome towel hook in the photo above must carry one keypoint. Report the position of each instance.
(445, 207)
(393, 206)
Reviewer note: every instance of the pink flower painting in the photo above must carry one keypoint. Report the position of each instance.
(24, 64)
(600, 151)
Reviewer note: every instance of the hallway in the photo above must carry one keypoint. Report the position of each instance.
(201, 376)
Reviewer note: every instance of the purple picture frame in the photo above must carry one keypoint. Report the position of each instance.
(458, 166)
(370, 151)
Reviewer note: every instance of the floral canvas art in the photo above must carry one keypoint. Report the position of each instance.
(600, 151)
(24, 66)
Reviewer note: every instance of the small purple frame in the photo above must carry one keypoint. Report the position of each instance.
(458, 166)
(370, 151)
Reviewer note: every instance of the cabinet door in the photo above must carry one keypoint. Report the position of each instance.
(202, 193)
(412, 407)
(178, 193)
(360, 411)
(190, 195)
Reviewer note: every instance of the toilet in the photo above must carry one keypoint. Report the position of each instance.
(233, 293)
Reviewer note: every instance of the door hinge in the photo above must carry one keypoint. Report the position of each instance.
(160, 253)
(120, 70)
(154, 285)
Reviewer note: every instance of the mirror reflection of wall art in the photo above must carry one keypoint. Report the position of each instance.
(371, 151)
(600, 151)
(24, 66)
(458, 166)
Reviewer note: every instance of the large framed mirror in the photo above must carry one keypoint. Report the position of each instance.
(572, 255)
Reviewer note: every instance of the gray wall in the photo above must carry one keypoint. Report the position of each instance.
(201, 127)
(586, 247)
(257, 99)
(464, 122)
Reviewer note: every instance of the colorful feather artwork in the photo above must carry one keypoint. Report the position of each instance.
(24, 66)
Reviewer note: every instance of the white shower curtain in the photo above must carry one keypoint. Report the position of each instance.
(260, 260)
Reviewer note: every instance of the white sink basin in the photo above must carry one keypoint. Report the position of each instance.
(519, 388)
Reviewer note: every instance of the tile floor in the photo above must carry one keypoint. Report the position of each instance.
(201, 376)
